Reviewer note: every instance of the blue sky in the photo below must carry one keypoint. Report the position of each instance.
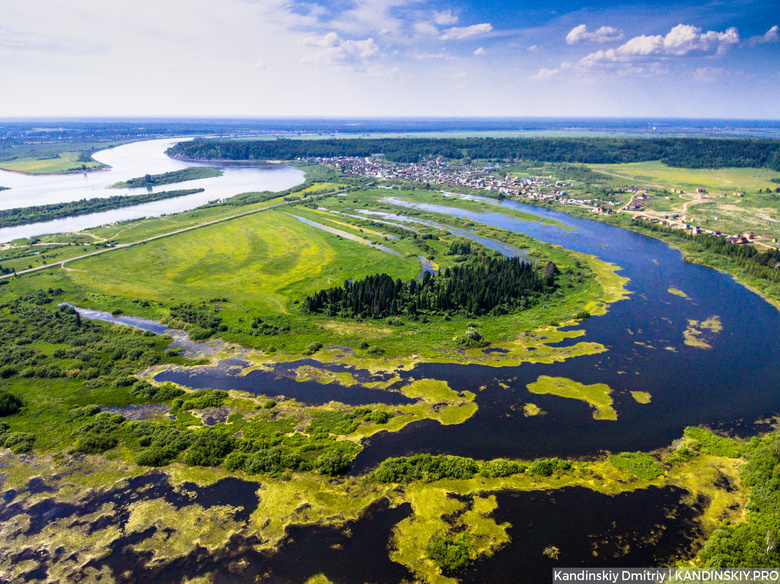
(390, 58)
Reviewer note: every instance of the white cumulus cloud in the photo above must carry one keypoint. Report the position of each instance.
(445, 18)
(480, 51)
(681, 40)
(337, 51)
(464, 32)
(605, 34)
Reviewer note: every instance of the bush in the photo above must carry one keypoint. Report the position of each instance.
(451, 553)
(19, 442)
(204, 398)
(500, 468)
(312, 348)
(9, 404)
(547, 466)
(84, 412)
(331, 463)
(210, 448)
(424, 467)
(379, 417)
(716, 445)
(640, 464)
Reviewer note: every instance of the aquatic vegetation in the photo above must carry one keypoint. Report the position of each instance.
(641, 397)
(598, 395)
(641, 464)
(696, 335)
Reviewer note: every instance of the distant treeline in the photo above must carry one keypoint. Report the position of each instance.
(167, 178)
(25, 215)
(482, 286)
(679, 152)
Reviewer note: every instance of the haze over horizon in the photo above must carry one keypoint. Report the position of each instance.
(388, 58)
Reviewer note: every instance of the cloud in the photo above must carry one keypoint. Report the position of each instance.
(445, 18)
(679, 41)
(708, 74)
(546, 74)
(338, 51)
(533, 48)
(425, 28)
(465, 32)
(479, 52)
(605, 34)
(770, 36)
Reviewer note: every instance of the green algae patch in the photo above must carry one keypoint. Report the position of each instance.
(530, 410)
(178, 530)
(699, 334)
(308, 500)
(437, 514)
(677, 292)
(436, 401)
(597, 395)
(323, 376)
(612, 284)
(641, 397)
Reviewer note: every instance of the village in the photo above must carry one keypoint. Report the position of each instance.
(487, 177)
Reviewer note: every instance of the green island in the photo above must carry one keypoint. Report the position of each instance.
(324, 273)
(38, 213)
(167, 178)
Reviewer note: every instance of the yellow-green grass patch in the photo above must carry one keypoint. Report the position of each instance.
(641, 397)
(598, 395)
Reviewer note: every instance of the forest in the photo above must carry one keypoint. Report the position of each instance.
(166, 178)
(483, 285)
(38, 213)
(678, 152)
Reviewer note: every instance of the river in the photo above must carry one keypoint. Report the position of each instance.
(126, 162)
(728, 382)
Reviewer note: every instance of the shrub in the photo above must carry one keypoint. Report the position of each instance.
(640, 464)
(19, 442)
(547, 466)
(210, 448)
(9, 404)
(451, 553)
(500, 468)
(716, 445)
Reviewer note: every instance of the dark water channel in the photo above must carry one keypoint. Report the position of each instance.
(733, 381)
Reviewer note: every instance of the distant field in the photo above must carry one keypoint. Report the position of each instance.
(721, 180)
(66, 162)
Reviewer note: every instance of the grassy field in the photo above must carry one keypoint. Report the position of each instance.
(720, 180)
(260, 263)
(65, 162)
(266, 263)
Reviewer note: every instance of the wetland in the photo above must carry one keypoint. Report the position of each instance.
(284, 419)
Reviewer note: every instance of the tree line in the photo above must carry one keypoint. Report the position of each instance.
(679, 152)
(166, 178)
(483, 285)
(38, 213)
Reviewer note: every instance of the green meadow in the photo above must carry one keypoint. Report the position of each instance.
(721, 180)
